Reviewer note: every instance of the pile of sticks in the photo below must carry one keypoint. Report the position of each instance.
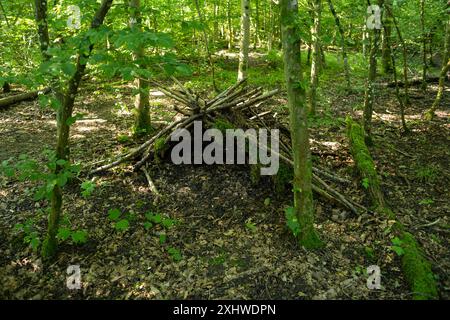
(232, 100)
(236, 97)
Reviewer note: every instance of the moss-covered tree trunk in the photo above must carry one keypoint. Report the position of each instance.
(315, 34)
(244, 40)
(303, 198)
(415, 266)
(343, 46)
(429, 115)
(64, 112)
(141, 103)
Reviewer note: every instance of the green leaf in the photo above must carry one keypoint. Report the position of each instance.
(168, 223)
(114, 214)
(148, 225)
(63, 233)
(365, 183)
(87, 187)
(175, 254)
(162, 238)
(398, 250)
(267, 201)
(122, 225)
(79, 236)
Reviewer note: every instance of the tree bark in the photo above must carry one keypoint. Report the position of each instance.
(315, 35)
(49, 245)
(141, 102)
(244, 40)
(41, 21)
(8, 101)
(386, 61)
(370, 91)
(303, 198)
(424, 46)
(206, 40)
(429, 115)
(343, 47)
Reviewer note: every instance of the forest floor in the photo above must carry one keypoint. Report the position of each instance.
(231, 234)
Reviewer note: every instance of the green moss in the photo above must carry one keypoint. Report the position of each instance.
(310, 240)
(223, 124)
(417, 270)
(160, 147)
(283, 178)
(255, 173)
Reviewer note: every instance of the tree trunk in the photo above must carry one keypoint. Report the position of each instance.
(41, 21)
(315, 35)
(230, 26)
(257, 25)
(245, 40)
(429, 115)
(141, 103)
(303, 198)
(370, 90)
(424, 46)
(416, 267)
(343, 47)
(8, 101)
(49, 245)
(404, 55)
(205, 39)
(386, 61)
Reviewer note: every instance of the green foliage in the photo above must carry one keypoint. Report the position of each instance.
(175, 254)
(160, 147)
(417, 269)
(30, 233)
(120, 225)
(76, 236)
(250, 225)
(426, 174)
(87, 187)
(397, 246)
(292, 221)
(223, 124)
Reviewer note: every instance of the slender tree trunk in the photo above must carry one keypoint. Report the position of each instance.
(343, 47)
(208, 50)
(216, 21)
(141, 102)
(397, 90)
(365, 36)
(404, 55)
(424, 46)
(370, 90)
(315, 35)
(257, 25)
(230, 26)
(245, 40)
(40, 7)
(303, 199)
(271, 27)
(64, 112)
(429, 115)
(386, 61)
